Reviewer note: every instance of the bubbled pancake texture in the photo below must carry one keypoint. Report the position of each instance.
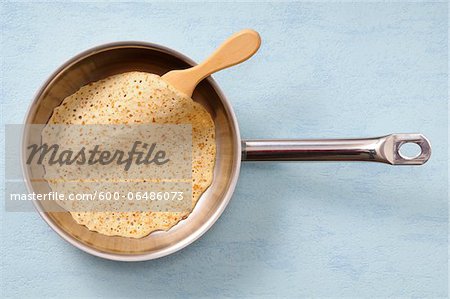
(140, 98)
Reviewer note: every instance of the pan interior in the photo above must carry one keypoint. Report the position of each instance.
(113, 59)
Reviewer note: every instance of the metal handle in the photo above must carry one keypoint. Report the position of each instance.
(381, 149)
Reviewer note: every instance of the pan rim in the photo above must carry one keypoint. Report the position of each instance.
(189, 239)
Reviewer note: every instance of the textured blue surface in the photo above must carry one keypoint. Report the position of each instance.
(303, 229)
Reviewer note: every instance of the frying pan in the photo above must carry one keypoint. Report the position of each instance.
(106, 60)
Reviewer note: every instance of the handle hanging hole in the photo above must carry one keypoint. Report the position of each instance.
(410, 150)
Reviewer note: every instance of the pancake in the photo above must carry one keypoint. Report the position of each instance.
(139, 98)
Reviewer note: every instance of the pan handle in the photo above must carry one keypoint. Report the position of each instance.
(384, 149)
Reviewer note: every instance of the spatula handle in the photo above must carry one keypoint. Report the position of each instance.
(236, 49)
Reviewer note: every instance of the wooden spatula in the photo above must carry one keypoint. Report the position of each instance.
(236, 49)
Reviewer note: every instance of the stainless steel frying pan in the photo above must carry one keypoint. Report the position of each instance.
(106, 60)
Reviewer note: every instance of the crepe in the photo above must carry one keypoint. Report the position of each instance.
(140, 98)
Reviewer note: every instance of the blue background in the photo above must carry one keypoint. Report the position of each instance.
(325, 70)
